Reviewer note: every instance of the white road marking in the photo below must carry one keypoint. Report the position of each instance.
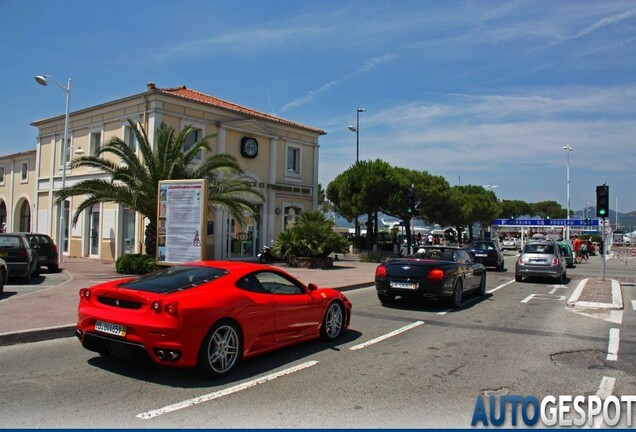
(576, 294)
(386, 336)
(612, 347)
(634, 304)
(604, 391)
(556, 287)
(500, 286)
(542, 297)
(218, 394)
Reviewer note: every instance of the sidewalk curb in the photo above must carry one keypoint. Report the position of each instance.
(617, 297)
(37, 335)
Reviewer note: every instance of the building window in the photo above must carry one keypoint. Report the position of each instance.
(1, 174)
(194, 136)
(293, 160)
(24, 172)
(130, 138)
(67, 150)
(3, 217)
(25, 217)
(96, 142)
(289, 218)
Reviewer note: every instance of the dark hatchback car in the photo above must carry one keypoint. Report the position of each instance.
(488, 253)
(46, 250)
(21, 260)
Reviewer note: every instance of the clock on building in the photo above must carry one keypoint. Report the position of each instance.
(249, 147)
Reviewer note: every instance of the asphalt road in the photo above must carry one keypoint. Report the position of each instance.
(411, 365)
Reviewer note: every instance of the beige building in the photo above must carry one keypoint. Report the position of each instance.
(278, 156)
(17, 191)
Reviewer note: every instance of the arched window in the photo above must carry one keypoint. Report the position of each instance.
(25, 217)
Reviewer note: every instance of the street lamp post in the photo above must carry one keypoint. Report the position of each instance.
(356, 129)
(568, 148)
(42, 80)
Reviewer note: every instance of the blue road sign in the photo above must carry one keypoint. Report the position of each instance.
(547, 222)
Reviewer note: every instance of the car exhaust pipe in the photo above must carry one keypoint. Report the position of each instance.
(78, 334)
(161, 354)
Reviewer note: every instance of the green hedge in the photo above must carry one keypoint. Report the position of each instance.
(136, 264)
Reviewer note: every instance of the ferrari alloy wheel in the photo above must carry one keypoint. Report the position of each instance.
(333, 321)
(456, 298)
(221, 350)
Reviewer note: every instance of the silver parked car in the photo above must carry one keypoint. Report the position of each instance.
(511, 243)
(541, 258)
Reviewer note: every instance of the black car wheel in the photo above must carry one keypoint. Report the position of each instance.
(501, 267)
(562, 278)
(221, 350)
(456, 298)
(482, 285)
(54, 268)
(27, 277)
(332, 322)
(518, 278)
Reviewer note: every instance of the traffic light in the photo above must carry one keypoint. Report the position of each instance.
(410, 201)
(602, 201)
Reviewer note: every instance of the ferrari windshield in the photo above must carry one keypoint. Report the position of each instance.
(174, 279)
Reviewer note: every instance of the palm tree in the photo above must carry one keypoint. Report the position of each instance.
(312, 236)
(134, 181)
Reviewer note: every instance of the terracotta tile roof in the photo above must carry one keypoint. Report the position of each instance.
(18, 155)
(193, 95)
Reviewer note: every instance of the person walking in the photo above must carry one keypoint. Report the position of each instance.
(584, 252)
(577, 249)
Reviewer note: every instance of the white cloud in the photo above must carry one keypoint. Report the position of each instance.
(308, 98)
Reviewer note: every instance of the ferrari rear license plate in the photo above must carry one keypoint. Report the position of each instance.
(404, 285)
(109, 328)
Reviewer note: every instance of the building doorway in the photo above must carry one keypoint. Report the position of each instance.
(93, 229)
(244, 240)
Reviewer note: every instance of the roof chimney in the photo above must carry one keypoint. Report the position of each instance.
(151, 86)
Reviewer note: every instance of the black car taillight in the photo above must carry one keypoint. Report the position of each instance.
(380, 271)
(435, 275)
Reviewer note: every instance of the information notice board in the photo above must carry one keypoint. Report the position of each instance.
(181, 221)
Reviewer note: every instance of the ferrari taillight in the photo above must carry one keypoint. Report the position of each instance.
(171, 308)
(435, 275)
(84, 293)
(380, 271)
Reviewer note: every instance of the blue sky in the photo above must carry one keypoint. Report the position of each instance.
(479, 92)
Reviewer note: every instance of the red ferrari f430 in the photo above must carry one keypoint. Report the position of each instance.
(207, 314)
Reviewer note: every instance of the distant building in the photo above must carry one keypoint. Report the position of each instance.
(17, 191)
(281, 162)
